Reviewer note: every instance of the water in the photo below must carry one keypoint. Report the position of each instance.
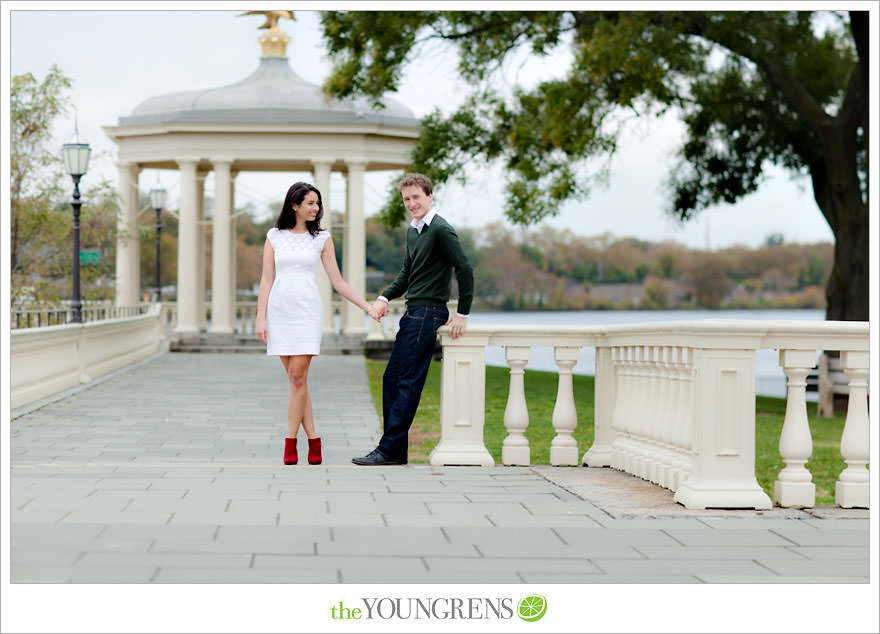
(769, 378)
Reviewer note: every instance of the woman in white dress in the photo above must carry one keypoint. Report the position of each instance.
(289, 307)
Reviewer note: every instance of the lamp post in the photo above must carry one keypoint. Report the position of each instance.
(157, 202)
(76, 159)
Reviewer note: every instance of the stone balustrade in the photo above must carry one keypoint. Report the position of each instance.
(44, 361)
(674, 404)
(91, 311)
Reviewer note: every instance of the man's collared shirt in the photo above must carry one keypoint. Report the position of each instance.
(425, 220)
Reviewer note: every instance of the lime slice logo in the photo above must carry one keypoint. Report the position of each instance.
(532, 608)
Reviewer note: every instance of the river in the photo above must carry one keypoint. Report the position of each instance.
(769, 378)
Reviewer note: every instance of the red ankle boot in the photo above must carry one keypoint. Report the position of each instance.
(314, 451)
(290, 456)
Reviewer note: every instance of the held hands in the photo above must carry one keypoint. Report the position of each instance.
(456, 326)
(378, 309)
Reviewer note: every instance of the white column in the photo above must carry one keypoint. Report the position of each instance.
(221, 269)
(852, 488)
(794, 486)
(127, 241)
(233, 254)
(322, 182)
(201, 263)
(515, 448)
(187, 251)
(354, 260)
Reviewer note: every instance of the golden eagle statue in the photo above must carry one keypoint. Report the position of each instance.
(272, 18)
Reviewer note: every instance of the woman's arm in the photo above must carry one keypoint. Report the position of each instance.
(328, 259)
(267, 278)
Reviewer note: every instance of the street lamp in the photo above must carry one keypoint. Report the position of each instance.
(76, 159)
(157, 202)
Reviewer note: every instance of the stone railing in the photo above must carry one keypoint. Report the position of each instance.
(100, 311)
(44, 361)
(674, 404)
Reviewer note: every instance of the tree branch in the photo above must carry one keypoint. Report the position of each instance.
(778, 74)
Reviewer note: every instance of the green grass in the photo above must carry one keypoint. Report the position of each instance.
(825, 463)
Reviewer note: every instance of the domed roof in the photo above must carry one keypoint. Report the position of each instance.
(273, 93)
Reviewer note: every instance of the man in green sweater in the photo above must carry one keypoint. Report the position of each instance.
(432, 252)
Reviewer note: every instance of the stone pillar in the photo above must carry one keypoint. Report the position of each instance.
(322, 182)
(128, 285)
(221, 269)
(723, 462)
(605, 390)
(187, 251)
(201, 263)
(354, 260)
(462, 402)
(233, 252)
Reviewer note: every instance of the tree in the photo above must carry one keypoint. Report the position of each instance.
(753, 89)
(709, 282)
(34, 167)
(41, 216)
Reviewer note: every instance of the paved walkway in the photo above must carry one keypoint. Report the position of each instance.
(171, 472)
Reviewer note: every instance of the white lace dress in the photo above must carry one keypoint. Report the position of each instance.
(294, 314)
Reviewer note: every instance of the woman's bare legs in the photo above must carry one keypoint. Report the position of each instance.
(299, 403)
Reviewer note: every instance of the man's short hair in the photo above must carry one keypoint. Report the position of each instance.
(418, 180)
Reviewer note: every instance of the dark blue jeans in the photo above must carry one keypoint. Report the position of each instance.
(405, 375)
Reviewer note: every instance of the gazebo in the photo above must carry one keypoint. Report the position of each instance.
(272, 120)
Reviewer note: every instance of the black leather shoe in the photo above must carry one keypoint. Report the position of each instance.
(375, 458)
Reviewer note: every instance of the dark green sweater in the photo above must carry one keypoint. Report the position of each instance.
(426, 275)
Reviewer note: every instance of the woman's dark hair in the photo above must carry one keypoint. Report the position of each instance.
(295, 196)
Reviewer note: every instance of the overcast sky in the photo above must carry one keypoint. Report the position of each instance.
(118, 59)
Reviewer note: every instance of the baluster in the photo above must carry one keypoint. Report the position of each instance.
(852, 488)
(619, 442)
(515, 449)
(619, 421)
(794, 486)
(375, 331)
(639, 411)
(680, 413)
(664, 422)
(629, 408)
(673, 422)
(662, 436)
(646, 411)
(649, 414)
(563, 447)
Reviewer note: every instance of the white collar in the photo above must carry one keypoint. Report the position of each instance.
(426, 220)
